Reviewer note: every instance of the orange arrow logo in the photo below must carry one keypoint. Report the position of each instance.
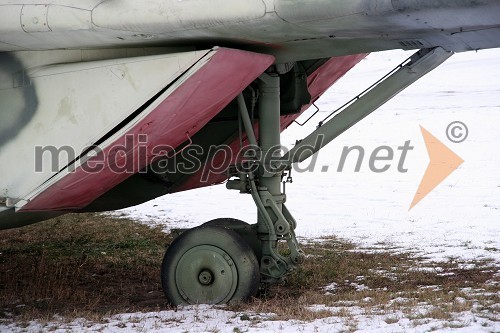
(443, 161)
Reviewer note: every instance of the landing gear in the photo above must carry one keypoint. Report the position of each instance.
(209, 265)
(224, 260)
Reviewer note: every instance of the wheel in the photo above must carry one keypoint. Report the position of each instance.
(209, 265)
(243, 229)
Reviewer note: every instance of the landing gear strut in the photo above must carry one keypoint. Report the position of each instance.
(274, 221)
(225, 260)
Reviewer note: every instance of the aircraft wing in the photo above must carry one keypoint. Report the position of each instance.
(289, 30)
(78, 77)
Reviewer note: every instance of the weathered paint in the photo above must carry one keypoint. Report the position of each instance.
(187, 109)
(70, 106)
(290, 30)
(318, 82)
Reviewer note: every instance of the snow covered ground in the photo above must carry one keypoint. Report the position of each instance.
(215, 320)
(460, 218)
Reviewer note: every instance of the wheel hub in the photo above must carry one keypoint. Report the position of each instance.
(206, 274)
(206, 277)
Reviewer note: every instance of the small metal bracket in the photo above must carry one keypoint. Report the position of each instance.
(311, 117)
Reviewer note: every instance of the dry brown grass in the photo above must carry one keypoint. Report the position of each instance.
(379, 283)
(93, 266)
(78, 265)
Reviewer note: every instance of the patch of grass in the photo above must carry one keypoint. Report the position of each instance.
(390, 281)
(80, 265)
(93, 266)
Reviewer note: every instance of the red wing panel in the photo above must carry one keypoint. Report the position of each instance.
(318, 82)
(186, 110)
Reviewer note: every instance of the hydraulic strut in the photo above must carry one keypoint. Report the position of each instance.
(421, 63)
(275, 222)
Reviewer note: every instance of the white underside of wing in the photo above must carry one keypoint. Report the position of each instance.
(77, 105)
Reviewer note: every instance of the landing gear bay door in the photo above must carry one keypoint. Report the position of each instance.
(66, 121)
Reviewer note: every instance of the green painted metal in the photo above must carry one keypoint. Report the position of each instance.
(275, 222)
(206, 274)
(209, 265)
(265, 185)
(269, 137)
(421, 63)
(247, 122)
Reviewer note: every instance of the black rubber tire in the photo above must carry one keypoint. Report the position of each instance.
(243, 229)
(230, 261)
(227, 222)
